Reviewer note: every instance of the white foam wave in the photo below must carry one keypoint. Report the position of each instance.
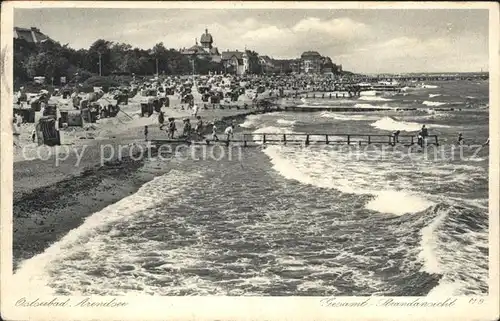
(434, 95)
(34, 274)
(337, 116)
(428, 245)
(408, 203)
(328, 169)
(251, 121)
(429, 86)
(372, 106)
(388, 123)
(368, 93)
(373, 98)
(286, 122)
(433, 103)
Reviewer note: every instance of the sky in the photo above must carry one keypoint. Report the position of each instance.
(363, 41)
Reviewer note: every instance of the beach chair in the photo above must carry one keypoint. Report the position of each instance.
(47, 133)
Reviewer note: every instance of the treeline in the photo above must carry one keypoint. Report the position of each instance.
(53, 60)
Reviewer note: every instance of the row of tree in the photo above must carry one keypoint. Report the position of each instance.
(53, 60)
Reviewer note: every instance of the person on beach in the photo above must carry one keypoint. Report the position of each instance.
(460, 140)
(195, 111)
(487, 142)
(229, 132)
(15, 132)
(186, 131)
(171, 127)
(146, 133)
(199, 127)
(214, 133)
(161, 119)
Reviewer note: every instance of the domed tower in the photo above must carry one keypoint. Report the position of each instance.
(206, 40)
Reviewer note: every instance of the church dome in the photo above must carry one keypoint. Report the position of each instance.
(206, 37)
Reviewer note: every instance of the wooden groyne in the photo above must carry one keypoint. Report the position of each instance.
(354, 109)
(259, 139)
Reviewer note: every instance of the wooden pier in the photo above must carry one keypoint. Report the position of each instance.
(259, 139)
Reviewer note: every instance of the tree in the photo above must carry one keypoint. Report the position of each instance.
(101, 48)
(254, 63)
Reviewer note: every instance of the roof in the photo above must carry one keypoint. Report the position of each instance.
(32, 35)
(226, 55)
(310, 54)
(206, 37)
(214, 51)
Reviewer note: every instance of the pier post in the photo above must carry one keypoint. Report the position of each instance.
(326, 139)
(307, 140)
(412, 140)
(437, 143)
(263, 138)
(369, 139)
(244, 140)
(390, 140)
(348, 139)
(284, 139)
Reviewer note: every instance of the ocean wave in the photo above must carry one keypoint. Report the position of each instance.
(407, 202)
(368, 93)
(432, 103)
(385, 106)
(338, 116)
(429, 86)
(327, 169)
(286, 122)
(35, 274)
(388, 123)
(434, 95)
(251, 121)
(373, 98)
(458, 257)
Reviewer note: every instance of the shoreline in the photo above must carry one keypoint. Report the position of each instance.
(46, 208)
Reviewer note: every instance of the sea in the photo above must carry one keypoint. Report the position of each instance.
(300, 220)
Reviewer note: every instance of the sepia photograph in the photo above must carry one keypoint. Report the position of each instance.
(249, 152)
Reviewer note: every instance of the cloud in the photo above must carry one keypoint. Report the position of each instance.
(325, 36)
(466, 53)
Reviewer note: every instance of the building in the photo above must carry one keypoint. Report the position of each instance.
(268, 64)
(204, 51)
(31, 35)
(310, 62)
(327, 66)
(236, 62)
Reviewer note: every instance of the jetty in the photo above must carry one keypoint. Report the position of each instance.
(304, 139)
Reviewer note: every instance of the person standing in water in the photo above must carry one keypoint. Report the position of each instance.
(396, 136)
(420, 140)
(460, 140)
(425, 134)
